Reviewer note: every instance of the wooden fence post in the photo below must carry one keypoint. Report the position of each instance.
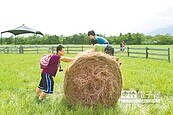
(146, 52)
(67, 49)
(52, 49)
(128, 51)
(169, 55)
(82, 48)
(8, 49)
(37, 49)
(21, 50)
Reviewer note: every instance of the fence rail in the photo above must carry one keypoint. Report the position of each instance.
(131, 52)
(41, 49)
(148, 53)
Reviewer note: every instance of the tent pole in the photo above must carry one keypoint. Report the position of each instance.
(1, 39)
(15, 40)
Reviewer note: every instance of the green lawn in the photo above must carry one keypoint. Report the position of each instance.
(20, 75)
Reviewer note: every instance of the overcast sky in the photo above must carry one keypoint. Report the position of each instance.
(67, 17)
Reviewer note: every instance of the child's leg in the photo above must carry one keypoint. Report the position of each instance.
(46, 85)
(38, 91)
(42, 95)
(40, 86)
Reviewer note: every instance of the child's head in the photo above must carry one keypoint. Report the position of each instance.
(91, 34)
(60, 50)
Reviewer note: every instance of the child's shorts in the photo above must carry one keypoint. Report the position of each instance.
(46, 83)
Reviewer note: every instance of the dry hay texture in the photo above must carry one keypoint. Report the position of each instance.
(93, 78)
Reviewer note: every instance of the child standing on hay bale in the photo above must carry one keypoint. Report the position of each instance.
(100, 43)
(96, 39)
(46, 83)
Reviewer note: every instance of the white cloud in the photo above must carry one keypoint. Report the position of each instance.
(68, 17)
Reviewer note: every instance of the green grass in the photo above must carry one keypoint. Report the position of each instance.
(20, 75)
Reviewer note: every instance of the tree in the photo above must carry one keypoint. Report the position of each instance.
(9, 40)
(82, 38)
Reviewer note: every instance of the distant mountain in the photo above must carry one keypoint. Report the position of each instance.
(162, 31)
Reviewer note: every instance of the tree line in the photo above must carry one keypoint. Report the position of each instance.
(82, 38)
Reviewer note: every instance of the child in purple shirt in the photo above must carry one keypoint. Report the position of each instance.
(46, 83)
(53, 65)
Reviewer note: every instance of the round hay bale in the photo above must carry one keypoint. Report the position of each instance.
(93, 78)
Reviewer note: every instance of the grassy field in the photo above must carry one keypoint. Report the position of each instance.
(20, 75)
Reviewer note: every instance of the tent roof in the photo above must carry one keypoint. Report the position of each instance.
(22, 30)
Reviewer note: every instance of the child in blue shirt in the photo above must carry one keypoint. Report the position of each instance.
(96, 39)
(102, 41)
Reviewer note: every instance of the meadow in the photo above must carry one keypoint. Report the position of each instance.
(20, 75)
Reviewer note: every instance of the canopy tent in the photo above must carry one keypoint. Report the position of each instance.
(21, 30)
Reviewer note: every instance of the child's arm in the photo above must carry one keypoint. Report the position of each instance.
(67, 59)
